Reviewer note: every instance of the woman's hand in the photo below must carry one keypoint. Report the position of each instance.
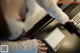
(42, 47)
(71, 20)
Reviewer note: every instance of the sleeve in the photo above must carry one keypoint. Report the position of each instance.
(53, 10)
(28, 46)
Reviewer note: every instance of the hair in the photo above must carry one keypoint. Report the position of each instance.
(4, 30)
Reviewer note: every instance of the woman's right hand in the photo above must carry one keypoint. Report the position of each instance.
(42, 47)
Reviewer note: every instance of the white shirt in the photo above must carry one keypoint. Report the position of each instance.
(52, 8)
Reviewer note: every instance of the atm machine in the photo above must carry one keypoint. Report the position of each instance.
(73, 11)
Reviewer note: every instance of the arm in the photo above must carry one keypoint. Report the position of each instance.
(28, 46)
(51, 7)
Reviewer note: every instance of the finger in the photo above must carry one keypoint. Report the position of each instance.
(43, 48)
(43, 52)
(71, 20)
(39, 41)
(42, 44)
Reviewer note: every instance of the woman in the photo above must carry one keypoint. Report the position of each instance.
(13, 23)
(12, 15)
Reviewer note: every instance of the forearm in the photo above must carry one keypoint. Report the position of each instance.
(28, 46)
(51, 7)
